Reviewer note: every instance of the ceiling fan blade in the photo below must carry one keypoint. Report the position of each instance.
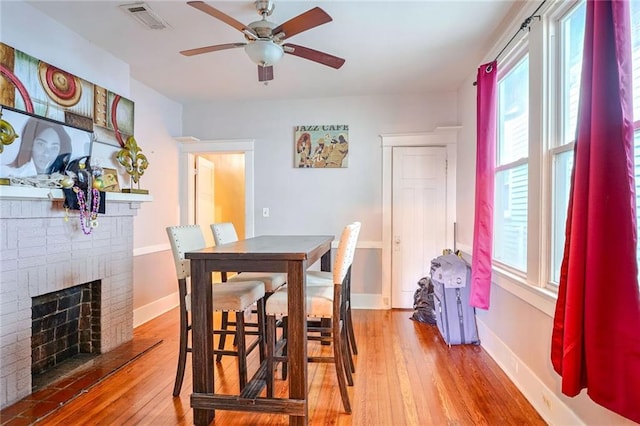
(212, 11)
(207, 49)
(303, 22)
(313, 55)
(265, 73)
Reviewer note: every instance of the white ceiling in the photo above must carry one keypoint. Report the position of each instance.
(390, 47)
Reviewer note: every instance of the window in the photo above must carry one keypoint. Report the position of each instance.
(538, 100)
(511, 190)
(570, 41)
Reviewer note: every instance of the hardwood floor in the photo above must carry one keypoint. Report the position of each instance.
(405, 375)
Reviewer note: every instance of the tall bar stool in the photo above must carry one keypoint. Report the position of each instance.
(324, 278)
(224, 233)
(321, 302)
(237, 298)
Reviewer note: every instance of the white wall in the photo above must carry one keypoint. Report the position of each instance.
(322, 201)
(157, 119)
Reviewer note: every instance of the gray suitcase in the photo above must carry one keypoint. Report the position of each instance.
(455, 318)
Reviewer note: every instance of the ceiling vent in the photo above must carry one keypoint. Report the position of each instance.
(142, 13)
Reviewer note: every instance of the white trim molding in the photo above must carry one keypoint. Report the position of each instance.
(154, 309)
(188, 150)
(362, 245)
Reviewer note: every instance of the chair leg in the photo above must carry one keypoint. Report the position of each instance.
(242, 352)
(271, 347)
(235, 336)
(347, 359)
(348, 319)
(346, 338)
(224, 325)
(351, 333)
(262, 332)
(341, 370)
(285, 333)
(182, 356)
(325, 323)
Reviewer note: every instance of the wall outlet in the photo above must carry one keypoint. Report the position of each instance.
(546, 401)
(265, 212)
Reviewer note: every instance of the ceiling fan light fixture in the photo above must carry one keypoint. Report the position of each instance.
(264, 52)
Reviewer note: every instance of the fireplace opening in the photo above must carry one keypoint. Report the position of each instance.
(65, 332)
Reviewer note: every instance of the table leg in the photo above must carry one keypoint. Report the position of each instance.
(202, 337)
(297, 337)
(325, 265)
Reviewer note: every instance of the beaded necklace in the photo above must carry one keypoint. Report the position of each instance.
(88, 217)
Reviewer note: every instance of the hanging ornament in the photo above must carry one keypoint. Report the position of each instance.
(88, 208)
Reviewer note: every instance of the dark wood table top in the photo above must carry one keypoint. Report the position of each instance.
(266, 247)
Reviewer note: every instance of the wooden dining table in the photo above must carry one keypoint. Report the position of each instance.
(291, 254)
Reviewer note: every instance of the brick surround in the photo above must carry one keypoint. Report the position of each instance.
(41, 253)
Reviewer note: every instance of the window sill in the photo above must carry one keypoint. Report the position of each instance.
(540, 298)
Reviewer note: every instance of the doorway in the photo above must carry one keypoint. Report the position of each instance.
(220, 189)
(205, 201)
(233, 184)
(406, 253)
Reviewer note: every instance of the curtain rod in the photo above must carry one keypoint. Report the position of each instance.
(524, 26)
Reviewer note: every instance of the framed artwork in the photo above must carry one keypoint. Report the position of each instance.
(323, 146)
(39, 88)
(110, 180)
(42, 147)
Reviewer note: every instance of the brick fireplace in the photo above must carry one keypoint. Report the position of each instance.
(42, 253)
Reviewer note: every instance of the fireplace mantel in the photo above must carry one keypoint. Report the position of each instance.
(28, 193)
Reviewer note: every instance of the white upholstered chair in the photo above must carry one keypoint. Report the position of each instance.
(325, 278)
(322, 302)
(224, 233)
(226, 298)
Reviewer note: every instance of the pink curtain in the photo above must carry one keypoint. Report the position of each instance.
(485, 173)
(596, 338)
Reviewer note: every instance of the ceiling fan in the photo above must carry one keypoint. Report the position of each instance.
(264, 44)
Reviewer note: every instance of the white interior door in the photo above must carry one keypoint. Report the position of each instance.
(205, 201)
(419, 213)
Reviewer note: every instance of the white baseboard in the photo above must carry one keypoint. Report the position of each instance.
(158, 307)
(366, 301)
(543, 399)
